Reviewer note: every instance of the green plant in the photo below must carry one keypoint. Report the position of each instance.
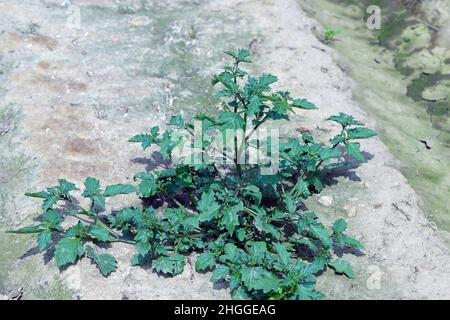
(249, 229)
(330, 35)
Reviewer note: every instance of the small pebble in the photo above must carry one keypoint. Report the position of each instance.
(326, 201)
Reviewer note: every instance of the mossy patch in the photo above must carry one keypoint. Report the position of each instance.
(405, 68)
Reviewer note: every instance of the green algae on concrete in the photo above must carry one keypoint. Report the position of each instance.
(396, 71)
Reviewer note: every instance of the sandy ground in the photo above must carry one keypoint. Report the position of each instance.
(72, 97)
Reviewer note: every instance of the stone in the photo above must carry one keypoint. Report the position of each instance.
(326, 201)
(140, 21)
(351, 210)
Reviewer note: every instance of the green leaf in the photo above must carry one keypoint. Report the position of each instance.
(67, 250)
(138, 260)
(30, 229)
(321, 233)
(289, 202)
(105, 262)
(92, 186)
(220, 273)
(143, 247)
(230, 218)
(329, 153)
(257, 278)
(258, 249)
(172, 264)
(115, 189)
(301, 189)
(303, 104)
(342, 266)
(148, 187)
(307, 292)
(41, 194)
(344, 120)
(231, 120)
(99, 201)
(204, 261)
(52, 217)
(65, 187)
(360, 133)
(100, 233)
(177, 121)
(254, 107)
(207, 206)
(353, 149)
(353, 243)
(44, 240)
(263, 225)
(241, 55)
(49, 202)
(167, 145)
(240, 294)
(266, 80)
(253, 192)
(240, 234)
(147, 140)
(283, 254)
(339, 226)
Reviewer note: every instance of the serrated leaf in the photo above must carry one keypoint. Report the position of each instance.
(220, 273)
(344, 119)
(360, 133)
(105, 262)
(138, 260)
(172, 264)
(44, 240)
(257, 278)
(230, 218)
(254, 106)
(329, 153)
(339, 226)
(92, 186)
(266, 80)
(49, 202)
(283, 253)
(167, 145)
(231, 120)
(342, 266)
(115, 189)
(148, 187)
(240, 294)
(263, 225)
(307, 292)
(253, 192)
(301, 189)
(143, 247)
(99, 200)
(100, 233)
(177, 121)
(289, 202)
(66, 186)
(258, 249)
(207, 206)
(147, 140)
(321, 233)
(303, 104)
(353, 149)
(67, 250)
(52, 217)
(29, 229)
(204, 261)
(241, 55)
